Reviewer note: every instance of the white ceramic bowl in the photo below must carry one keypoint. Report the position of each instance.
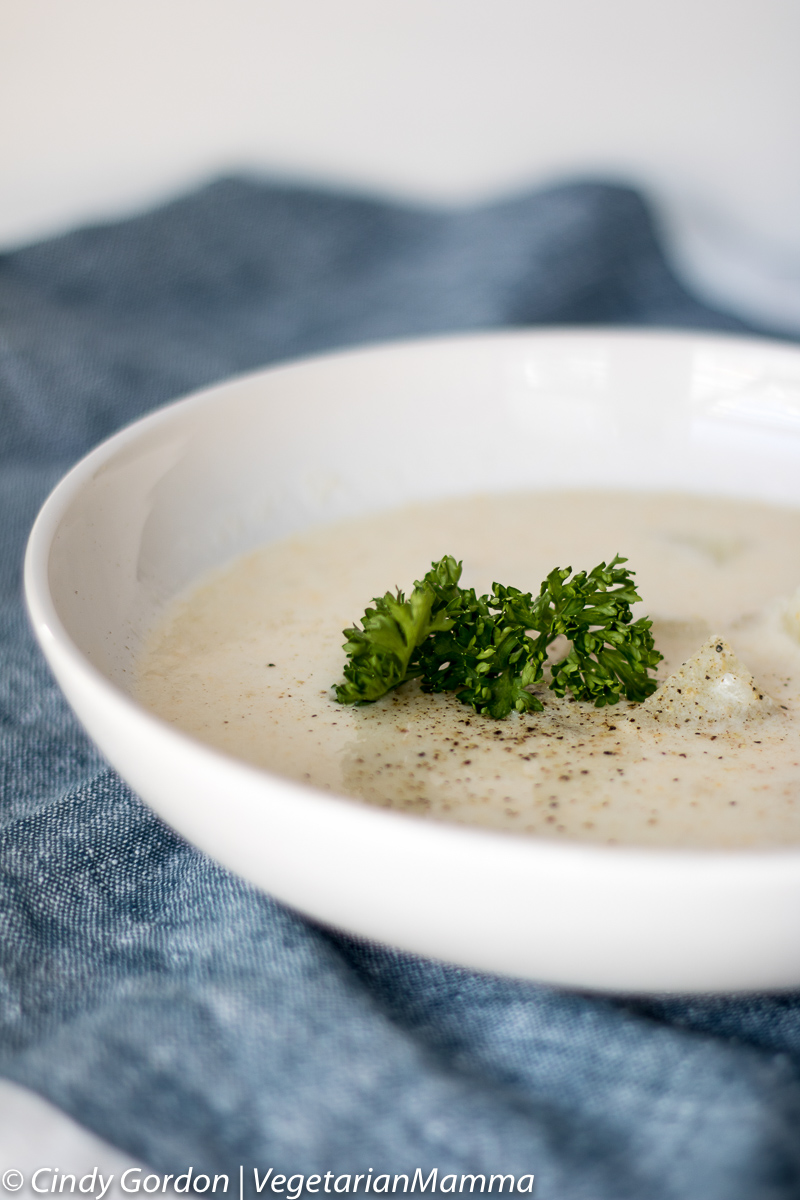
(261, 457)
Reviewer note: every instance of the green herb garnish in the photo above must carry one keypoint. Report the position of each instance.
(491, 649)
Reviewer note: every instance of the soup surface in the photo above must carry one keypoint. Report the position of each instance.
(246, 662)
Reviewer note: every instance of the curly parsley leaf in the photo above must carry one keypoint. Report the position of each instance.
(381, 653)
(611, 654)
(490, 650)
(487, 662)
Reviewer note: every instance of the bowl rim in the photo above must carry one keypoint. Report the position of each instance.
(56, 643)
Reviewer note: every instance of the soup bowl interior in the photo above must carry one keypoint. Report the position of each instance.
(196, 484)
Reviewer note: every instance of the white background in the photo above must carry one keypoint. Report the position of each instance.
(106, 107)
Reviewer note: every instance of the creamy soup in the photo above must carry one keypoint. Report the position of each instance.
(246, 662)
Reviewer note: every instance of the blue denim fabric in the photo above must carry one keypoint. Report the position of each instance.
(169, 1006)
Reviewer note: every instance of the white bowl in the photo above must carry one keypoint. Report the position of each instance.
(261, 457)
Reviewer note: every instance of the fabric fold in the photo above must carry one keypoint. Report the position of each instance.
(163, 1002)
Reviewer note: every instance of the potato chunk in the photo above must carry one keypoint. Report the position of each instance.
(712, 688)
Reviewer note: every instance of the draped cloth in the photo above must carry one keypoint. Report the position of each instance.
(175, 1010)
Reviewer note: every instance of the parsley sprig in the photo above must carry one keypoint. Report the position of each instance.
(490, 650)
